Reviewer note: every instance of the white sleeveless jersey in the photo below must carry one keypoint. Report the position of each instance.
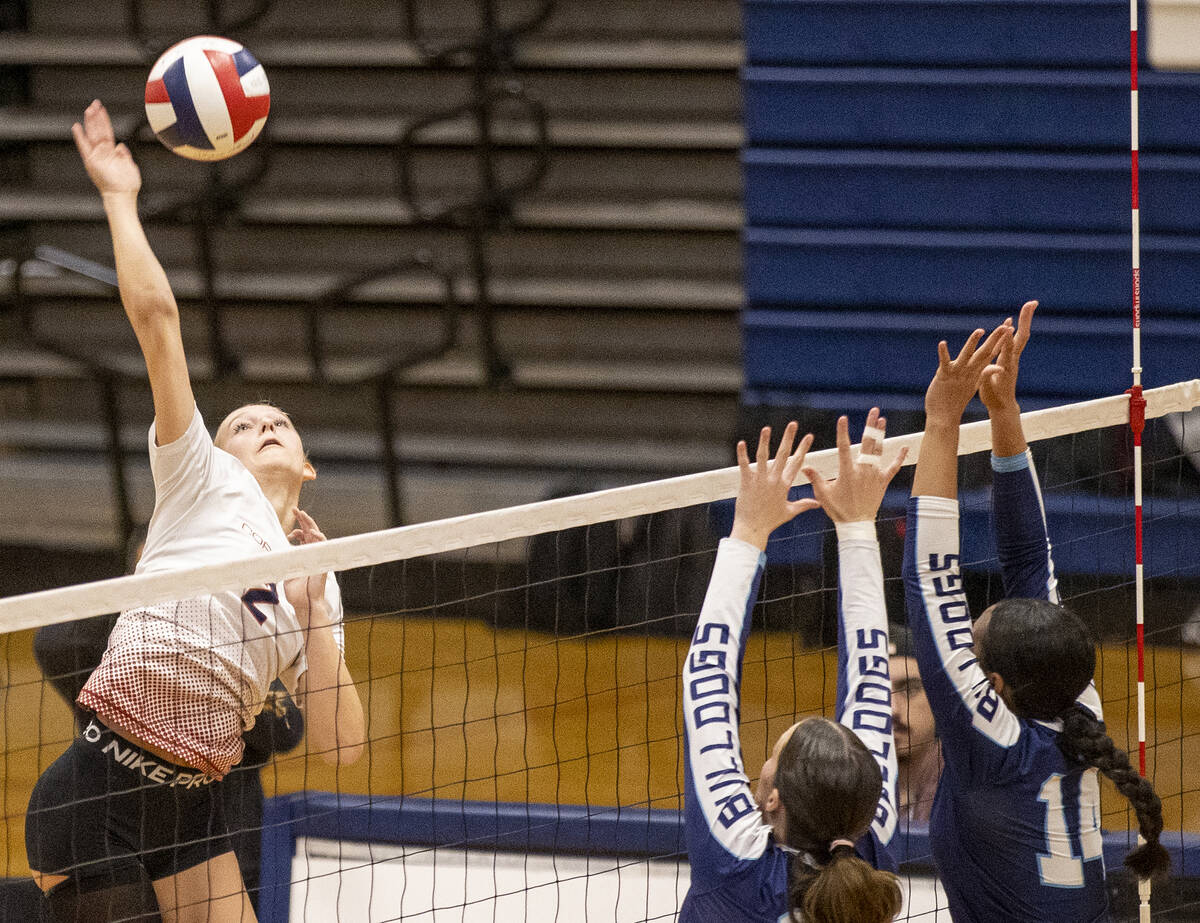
(189, 677)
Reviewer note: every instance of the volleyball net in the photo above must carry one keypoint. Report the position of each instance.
(520, 671)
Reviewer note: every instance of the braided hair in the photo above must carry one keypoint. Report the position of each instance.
(1046, 657)
(1085, 740)
(829, 785)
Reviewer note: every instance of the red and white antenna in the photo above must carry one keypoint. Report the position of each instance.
(1137, 420)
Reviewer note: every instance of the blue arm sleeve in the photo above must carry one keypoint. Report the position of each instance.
(724, 827)
(1019, 521)
(864, 688)
(976, 727)
(1023, 541)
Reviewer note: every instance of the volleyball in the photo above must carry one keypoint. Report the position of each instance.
(207, 98)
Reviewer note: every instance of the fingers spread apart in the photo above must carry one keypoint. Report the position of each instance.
(306, 530)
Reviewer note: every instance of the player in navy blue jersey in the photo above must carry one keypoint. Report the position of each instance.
(787, 846)
(1015, 827)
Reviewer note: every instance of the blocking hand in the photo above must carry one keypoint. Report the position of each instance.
(855, 495)
(957, 379)
(998, 386)
(762, 501)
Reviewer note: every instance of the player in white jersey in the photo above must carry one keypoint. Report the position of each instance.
(827, 791)
(180, 682)
(1015, 826)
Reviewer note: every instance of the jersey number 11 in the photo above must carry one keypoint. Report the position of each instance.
(1061, 867)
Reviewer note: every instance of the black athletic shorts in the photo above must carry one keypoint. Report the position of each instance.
(106, 802)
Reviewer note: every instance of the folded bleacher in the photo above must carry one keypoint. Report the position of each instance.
(916, 168)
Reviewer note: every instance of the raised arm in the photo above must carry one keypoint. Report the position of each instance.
(724, 826)
(998, 388)
(1018, 513)
(1022, 543)
(967, 710)
(864, 694)
(145, 292)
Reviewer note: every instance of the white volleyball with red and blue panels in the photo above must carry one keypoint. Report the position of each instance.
(207, 98)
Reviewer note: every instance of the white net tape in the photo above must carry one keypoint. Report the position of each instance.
(83, 600)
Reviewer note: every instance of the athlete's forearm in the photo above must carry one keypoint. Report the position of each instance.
(718, 790)
(154, 316)
(937, 467)
(943, 639)
(143, 283)
(864, 685)
(1008, 437)
(1022, 541)
(333, 711)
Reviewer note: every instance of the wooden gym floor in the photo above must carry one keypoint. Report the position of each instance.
(459, 710)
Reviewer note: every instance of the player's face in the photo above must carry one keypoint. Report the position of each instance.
(263, 439)
(912, 718)
(766, 778)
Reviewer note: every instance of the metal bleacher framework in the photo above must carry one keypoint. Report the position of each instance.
(567, 176)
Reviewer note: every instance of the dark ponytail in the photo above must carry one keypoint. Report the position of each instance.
(1084, 739)
(829, 785)
(844, 889)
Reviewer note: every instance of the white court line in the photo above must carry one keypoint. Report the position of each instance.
(373, 883)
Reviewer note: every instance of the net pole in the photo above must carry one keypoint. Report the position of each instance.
(1137, 420)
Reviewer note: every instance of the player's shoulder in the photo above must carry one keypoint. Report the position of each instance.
(1042, 742)
(1032, 757)
(754, 888)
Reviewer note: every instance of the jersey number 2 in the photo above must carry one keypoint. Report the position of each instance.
(1060, 867)
(268, 594)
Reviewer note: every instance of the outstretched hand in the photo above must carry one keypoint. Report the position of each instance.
(109, 165)
(305, 593)
(861, 482)
(957, 379)
(762, 501)
(998, 386)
